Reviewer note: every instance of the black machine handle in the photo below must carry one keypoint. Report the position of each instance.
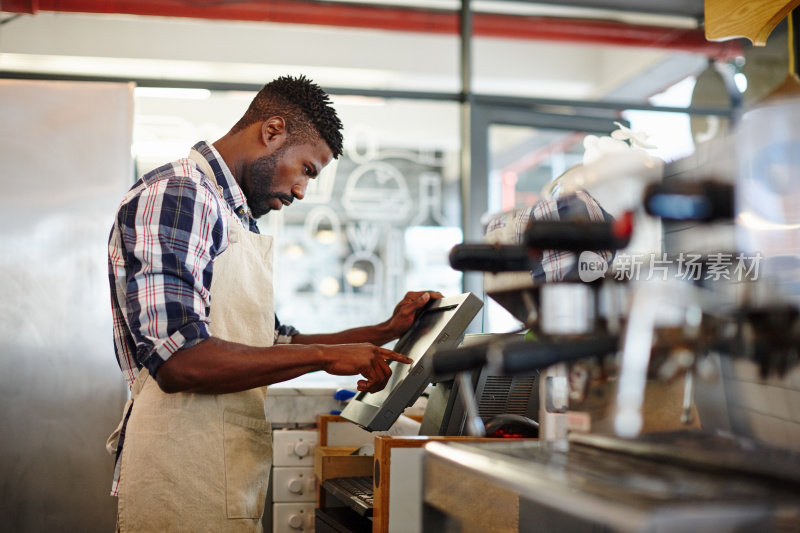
(572, 236)
(490, 257)
(578, 236)
(703, 201)
(521, 356)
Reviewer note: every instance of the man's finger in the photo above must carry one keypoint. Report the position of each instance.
(369, 379)
(381, 368)
(387, 370)
(424, 296)
(370, 385)
(394, 356)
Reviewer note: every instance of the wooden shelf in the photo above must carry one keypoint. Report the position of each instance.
(338, 461)
(753, 19)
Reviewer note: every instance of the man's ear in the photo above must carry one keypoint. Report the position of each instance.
(272, 129)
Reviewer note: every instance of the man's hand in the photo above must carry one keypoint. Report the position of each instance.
(406, 311)
(366, 359)
(403, 316)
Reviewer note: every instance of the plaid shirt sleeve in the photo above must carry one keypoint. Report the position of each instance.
(557, 265)
(169, 230)
(284, 333)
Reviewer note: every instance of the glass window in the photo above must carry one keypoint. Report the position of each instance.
(523, 160)
(670, 133)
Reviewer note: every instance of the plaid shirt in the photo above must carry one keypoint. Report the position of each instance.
(554, 265)
(169, 228)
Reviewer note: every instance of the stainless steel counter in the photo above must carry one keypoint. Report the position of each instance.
(597, 486)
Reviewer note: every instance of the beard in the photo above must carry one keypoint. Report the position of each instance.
(257, 184)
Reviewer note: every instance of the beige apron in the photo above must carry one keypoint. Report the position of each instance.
(201, 462)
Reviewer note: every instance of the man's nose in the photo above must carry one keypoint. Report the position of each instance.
(299, 190)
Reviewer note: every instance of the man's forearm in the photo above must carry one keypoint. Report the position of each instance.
(217, 366)
(402, 318)
(377, 335)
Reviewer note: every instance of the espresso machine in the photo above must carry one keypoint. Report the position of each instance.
(669, 383)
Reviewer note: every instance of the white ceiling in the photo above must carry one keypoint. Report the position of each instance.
(252, 52)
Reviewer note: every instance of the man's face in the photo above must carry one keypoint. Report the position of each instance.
(275, 180)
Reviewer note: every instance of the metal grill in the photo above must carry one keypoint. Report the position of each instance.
(505, 395)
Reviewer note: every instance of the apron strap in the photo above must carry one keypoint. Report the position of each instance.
(112, 444)
(205, 168)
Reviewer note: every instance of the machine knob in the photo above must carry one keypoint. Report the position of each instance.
(296, 486)
(295, 521)
(301, 449)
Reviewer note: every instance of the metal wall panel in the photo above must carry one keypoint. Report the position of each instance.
(65, 161)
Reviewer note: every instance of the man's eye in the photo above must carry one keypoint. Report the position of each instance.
(309, 171)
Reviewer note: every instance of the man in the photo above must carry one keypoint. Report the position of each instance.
(191, 283)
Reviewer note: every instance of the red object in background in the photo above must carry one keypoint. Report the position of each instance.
(622, 227)
(403, 19)
(502, 434)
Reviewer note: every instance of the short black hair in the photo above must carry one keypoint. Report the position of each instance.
(305, 107)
